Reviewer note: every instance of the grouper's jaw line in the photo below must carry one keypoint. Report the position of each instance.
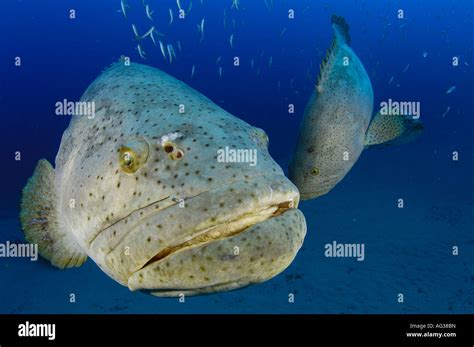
(224, 230)
(154, 203)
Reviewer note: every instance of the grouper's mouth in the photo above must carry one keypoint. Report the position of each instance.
(212, 244)
(225, 230)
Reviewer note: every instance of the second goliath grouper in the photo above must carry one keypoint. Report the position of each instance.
(139, 189)
(337, 123)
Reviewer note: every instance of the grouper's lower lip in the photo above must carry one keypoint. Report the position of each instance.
(266, 248)
(224, 230)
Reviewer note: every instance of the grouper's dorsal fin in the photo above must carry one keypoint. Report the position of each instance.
(341, 36)
(341, 29)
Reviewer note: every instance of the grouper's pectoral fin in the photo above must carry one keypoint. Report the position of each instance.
(40, 222)
(386, 129)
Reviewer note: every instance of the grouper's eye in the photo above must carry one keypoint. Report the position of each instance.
(127, 159)
(133, 155)
(314, 171)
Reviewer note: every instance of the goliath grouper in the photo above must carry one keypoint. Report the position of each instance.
(139, 189)
(337, 123)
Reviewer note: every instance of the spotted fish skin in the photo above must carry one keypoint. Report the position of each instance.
(336, 119)
(153, 207)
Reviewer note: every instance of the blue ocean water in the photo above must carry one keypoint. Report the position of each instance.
(408, 251)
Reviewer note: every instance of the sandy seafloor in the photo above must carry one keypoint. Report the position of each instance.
(407, 251)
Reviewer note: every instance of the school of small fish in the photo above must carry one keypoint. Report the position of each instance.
(258, 64)
(167, 48)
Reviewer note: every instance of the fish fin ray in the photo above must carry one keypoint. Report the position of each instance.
(40, 223)
(341, 34)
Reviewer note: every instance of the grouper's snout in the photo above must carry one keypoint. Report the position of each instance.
(311, 180)
(245, 237)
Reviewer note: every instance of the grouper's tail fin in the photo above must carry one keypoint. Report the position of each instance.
(39, 220)
(386, 129)
(341, 36)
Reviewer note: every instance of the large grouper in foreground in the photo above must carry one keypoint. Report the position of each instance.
(140, 190)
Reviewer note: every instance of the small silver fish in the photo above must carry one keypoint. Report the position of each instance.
(149, 12)
(192, 71)
(148, 33)
(450, 90)
(162, 48)
(135, 32)
(141, 52)
(172, 51)
(446, 112)
(158, 33)
(123, 7)
(170, 54)
(171, 16)
(406, 68)
(153, 38)
(235, 4)
(231, 40)
(201, 29)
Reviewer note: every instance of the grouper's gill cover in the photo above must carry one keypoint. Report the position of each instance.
(153, 207)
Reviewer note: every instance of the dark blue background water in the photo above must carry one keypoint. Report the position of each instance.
(408, 250)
